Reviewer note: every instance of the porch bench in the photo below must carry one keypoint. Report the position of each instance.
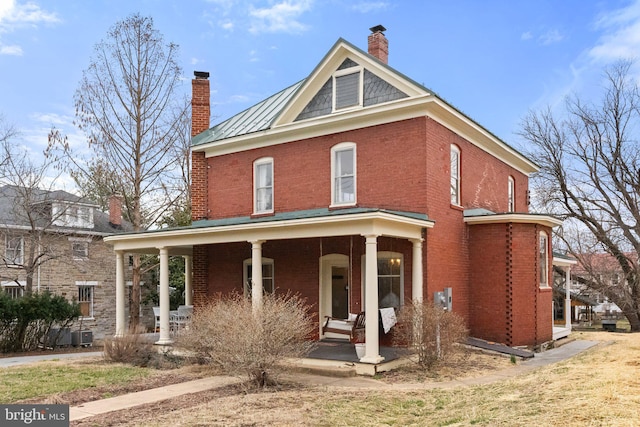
(346, 327)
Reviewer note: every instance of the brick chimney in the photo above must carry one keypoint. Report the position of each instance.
(115, 210)
(200, 103)
(200, 112)
(378, 43)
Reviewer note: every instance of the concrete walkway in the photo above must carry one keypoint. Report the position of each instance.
(98, 407)
(6, 362)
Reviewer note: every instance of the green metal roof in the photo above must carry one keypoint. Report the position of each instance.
(253, 119)
(306, 214)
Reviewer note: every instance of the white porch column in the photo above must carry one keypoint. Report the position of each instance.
(372, 343)
(121, 322)
(188, 281)
(417, 289)
(567, 301)
(256, 274)
(165, 337)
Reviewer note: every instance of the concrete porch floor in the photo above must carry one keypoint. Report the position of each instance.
(337, 358)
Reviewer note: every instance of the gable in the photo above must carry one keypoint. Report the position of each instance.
(307, 109)
(375, 91)
(344, 73)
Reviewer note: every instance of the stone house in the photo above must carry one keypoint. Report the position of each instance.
(65, 233)
(360, 189)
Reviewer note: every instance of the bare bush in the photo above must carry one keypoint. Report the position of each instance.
(230, 334)
(130, 348)
(431, 332)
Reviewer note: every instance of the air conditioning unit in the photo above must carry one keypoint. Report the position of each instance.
(82, 338)
(58, 338)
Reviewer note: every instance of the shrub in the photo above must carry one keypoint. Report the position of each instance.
(431, 332)
(230, 334)
(25, 322)
(131, 348)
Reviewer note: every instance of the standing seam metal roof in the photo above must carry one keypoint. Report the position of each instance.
(253, 119)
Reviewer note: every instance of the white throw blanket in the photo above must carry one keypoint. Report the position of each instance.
(388, 317)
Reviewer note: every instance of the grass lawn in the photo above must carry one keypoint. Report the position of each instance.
(600, 387)
(49, 378)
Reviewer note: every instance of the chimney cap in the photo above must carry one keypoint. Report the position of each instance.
(377, 29)
(201, 74)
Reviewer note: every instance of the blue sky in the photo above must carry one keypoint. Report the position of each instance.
(492, 59)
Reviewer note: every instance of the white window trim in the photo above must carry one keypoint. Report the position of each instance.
(343, 146)
(80, 241)
(245, 277)
(260, 162)
(456, 201)
(6, 246)
(92, 285)
(544, 275)
(21, 285)
(511, 195)
(344, 72)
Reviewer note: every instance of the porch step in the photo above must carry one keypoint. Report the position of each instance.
(327, 371)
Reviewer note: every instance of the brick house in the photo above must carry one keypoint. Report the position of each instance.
(359, 189)
(73, 260)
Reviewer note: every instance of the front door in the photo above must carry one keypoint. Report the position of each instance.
(334, 287)
(339, 292)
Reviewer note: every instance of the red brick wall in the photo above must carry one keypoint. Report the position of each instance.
(400, 166)
(490, 293)
(507, 303)
(390, 172)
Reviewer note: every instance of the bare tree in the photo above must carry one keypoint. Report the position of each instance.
(590, 175)
(128, 107)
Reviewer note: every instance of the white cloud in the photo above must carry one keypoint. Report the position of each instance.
(15, 16)
(526, 36)
(551, 37)
(10, 50)
(227, 25)
(621, 34)
(282, 17)
(369, 6)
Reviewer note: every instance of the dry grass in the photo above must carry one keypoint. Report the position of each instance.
(598, 388)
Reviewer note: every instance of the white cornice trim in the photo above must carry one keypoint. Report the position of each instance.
(402, 109)
(371, 223)
(545, 220)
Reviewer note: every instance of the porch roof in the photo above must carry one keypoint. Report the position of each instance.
(285, 225)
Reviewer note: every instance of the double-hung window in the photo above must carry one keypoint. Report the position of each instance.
(389, 279)
(267, 276)
(455, 175)
(511, 201)
(14, 249)
(85, 298)
(544, 260)
(343, 172)
(263, 185)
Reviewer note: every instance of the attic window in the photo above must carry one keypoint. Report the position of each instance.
(347, 88)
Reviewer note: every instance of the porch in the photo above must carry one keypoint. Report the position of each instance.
(337, 358)
(245, 239)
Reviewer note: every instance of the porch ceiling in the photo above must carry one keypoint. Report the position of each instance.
(300, 225)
